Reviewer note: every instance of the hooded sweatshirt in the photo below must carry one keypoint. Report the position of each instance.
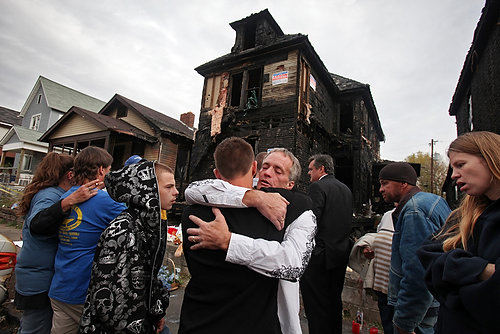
(125, 295)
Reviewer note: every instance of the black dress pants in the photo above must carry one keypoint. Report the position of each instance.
(321, 290)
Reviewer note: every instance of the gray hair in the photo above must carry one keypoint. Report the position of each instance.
(323, 160)
(295, 170)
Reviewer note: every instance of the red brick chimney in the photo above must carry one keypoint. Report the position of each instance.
(188, 119)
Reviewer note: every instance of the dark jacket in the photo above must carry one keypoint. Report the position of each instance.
(223, 297)
(332, 206)
(125, 295)
(468, 305)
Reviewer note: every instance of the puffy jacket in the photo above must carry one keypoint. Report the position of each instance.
(125, 295)
(414, 306)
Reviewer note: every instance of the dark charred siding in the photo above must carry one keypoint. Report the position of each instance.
(485, 87)
(330, 118)
(323, 108)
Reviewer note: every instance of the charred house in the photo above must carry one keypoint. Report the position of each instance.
(273, 90)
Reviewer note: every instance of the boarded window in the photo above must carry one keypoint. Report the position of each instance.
(212, 89)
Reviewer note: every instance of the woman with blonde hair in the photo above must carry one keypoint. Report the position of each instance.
(43, 209)
(461, 261)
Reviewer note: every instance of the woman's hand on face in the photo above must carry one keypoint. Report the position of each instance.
(487, 272)
(83, 193)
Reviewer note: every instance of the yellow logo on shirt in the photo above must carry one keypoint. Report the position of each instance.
(74, 220)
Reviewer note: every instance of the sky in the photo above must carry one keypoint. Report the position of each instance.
(409, 52)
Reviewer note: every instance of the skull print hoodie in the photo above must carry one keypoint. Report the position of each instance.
(125, 295)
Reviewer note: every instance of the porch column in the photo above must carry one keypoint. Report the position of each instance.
(2, 160)
(21, 161)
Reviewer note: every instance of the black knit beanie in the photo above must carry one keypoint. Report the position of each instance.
(400, 172)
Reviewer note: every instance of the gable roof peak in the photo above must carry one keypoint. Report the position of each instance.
(157, 119)
(263, 14)
(61, 97)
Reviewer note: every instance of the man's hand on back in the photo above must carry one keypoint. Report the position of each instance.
(270, 205)
(211, 235)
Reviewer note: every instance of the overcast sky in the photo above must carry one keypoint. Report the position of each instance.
(410, 52)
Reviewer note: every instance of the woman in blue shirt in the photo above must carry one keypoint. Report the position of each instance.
(78, 237)
(43, 209)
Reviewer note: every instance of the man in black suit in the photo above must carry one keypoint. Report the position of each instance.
(223, 297)
(322, 282)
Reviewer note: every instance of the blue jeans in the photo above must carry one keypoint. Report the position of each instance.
(165, 330)
(36, 321)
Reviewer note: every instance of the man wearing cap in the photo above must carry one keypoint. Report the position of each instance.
(418, 215)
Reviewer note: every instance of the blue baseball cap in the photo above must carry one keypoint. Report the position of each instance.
(133, 160)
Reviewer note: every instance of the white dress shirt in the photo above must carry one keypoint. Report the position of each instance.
(286, 260)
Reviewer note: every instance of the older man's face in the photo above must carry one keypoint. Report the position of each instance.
(275, 172)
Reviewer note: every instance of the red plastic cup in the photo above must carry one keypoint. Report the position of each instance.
(374, 330)
(355, 327)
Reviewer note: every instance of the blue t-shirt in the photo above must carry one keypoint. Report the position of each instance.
(78, 237)
(35, 261)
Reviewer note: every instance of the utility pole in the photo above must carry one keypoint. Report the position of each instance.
(432, 163)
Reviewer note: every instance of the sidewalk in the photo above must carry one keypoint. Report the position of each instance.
(174, 309)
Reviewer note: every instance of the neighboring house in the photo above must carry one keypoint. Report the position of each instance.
(47, 102)
(8, 119)
(273, 90)
(124, 127)
(476, 101)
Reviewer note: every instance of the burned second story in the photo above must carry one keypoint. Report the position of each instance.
(273, 90)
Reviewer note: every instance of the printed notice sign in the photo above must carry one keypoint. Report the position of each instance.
(312, 82)
(280, 78)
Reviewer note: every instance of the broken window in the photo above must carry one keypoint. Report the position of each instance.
(253, 90)
(121, 111)
(249, 36)
(346, 116)
(236, 89)
(246, 89)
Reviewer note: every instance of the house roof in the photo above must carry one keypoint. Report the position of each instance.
(486, 25)
(102, 121)
(280, 43)
(24, 135)
(345, 84)
(229, 58)
(160, 121)
(61, 98)
(335, 83)
(10, 116)
(254, 17)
